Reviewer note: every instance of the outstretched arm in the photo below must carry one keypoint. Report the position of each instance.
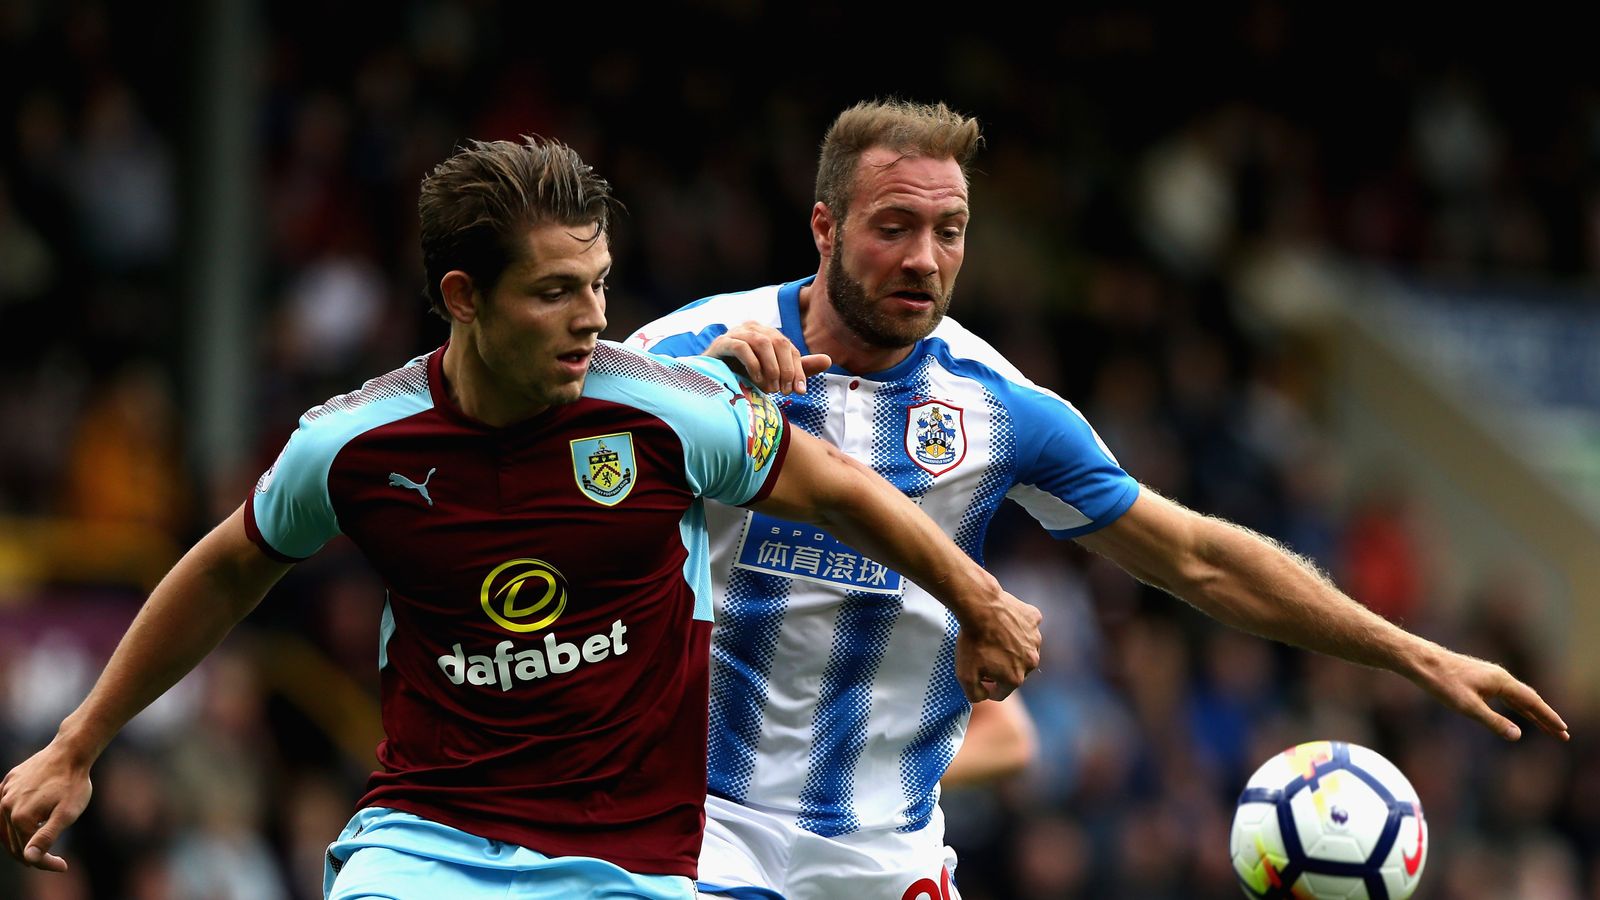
(818, 483)
(1249, 582)
(215, 585)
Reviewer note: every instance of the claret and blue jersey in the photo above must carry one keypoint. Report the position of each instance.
(544, 645)
(834, 698)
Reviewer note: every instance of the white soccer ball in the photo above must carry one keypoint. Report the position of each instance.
(1329, 820)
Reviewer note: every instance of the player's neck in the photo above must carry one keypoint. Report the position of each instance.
(477, 391)
(826, 332)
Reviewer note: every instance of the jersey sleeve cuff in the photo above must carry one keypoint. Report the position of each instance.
(253, 531)
(1112, 513)
(778, 456)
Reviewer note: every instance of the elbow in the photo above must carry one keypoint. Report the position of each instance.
(1024, 751)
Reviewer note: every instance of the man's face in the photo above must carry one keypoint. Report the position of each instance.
(538, 326)
(898, 250)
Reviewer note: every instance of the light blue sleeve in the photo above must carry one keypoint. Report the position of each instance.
(733, 442)
(291, 513)
(1066, 476)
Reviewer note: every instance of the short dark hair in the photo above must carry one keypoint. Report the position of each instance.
(911, 129)
(477, 205)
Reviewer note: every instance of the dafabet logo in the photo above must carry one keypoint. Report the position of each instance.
(505, 587)
(524, 596)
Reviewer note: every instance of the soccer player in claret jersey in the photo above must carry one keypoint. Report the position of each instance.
(833, 712)
(532, 499)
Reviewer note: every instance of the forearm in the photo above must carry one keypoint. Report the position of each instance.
(999, 640)
(1247, 581)
(194, 607)
(859, 508)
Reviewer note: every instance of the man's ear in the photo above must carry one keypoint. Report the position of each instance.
(460, 296)
(823, 229)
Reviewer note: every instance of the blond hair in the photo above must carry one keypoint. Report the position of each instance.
(910, 129)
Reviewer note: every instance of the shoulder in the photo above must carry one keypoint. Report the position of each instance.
(757, 303)
(328, 426)
(726, 442)
(967, 355)
(617, 368)
(407, 386)
(702, 321)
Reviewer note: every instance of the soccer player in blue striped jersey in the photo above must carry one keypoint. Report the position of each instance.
(834, 710)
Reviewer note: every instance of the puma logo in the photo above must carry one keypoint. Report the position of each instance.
(400, 481)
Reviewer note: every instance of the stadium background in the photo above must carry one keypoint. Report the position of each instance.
(1328, 273)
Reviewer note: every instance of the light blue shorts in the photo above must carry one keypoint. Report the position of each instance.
(392, 855)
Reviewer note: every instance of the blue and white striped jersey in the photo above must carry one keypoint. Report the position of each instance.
(833, 689)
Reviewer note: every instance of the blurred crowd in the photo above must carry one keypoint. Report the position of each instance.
(1133, 158)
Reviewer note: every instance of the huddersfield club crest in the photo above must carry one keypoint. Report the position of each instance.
(936, 436)
(603, 467)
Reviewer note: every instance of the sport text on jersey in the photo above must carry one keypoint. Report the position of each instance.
(793, 550)
(502, 600)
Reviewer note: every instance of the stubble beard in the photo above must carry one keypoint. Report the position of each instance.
(507, 358)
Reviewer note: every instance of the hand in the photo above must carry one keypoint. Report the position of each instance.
(998, 649)
(38, 800)
(1467, 684)
(767, 358)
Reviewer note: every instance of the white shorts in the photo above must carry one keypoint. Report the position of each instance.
(752, 855)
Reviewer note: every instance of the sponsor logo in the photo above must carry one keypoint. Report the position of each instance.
(806, 552)
(936, 436)
(524, 595)
(766, 423)
(527, 595)
(603, 467)
(401, 481)
(508, 665)
(928, 889)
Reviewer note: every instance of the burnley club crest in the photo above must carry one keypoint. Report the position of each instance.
(936, 436)
(603, 467)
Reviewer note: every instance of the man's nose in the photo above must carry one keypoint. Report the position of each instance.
(591, 317)
(919, 256)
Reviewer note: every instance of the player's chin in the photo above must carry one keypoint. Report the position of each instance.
(908, 329)
(567, 392)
